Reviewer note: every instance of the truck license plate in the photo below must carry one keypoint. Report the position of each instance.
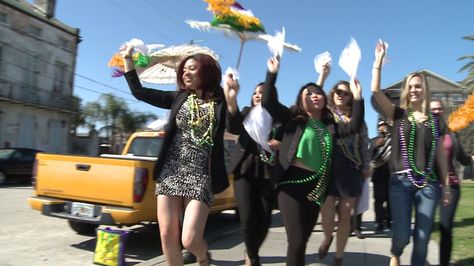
(82, 209)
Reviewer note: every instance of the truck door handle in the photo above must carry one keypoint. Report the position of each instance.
(83, 167)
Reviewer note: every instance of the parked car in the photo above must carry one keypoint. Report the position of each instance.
(16, 164)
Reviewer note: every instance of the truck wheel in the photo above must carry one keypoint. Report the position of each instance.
(83, 228)
(3, 178)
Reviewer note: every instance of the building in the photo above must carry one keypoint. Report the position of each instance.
(37, 66)
(452, 94)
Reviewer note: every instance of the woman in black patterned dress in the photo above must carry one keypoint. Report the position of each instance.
(190, 166)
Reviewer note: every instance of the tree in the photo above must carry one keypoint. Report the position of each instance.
(468, 82)
(106, 112)
(133, 121)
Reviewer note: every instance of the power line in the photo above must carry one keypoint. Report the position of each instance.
(67, 70)
(138, 19)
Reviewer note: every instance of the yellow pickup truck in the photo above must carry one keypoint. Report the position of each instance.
(107, 190)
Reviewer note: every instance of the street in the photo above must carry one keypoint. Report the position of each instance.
(29, 238)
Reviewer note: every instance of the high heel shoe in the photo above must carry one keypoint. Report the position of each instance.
(206, 261)
(323, 249)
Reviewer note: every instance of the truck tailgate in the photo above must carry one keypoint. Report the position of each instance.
(86, 179)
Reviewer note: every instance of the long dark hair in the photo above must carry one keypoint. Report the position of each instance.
(331, 103)
(273, 93)
(300, 112)
(209, 73)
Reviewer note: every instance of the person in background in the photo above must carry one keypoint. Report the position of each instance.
(190, 166)
(304, 160)
(366, 173)
(252, 168)
(417, 162)
(454, 150)
(380, 150)
(346, 179)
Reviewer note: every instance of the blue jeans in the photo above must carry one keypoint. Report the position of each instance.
(403, 197)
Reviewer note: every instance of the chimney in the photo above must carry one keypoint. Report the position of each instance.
(46, 6)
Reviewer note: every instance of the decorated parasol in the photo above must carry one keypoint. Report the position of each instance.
(234, 20)
(158, 65)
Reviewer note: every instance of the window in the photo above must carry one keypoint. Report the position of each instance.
(456, 99)
(64, 43)
(30, 74)
(3, 18)
(60, 77)
(439, 96)
(35, 31)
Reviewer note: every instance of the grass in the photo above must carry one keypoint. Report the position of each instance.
(463, 234)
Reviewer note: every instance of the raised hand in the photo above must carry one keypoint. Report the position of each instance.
(126, 50)
(273, 64)
(356, 89)
(326, 69)
(379, 53)
(231, 89)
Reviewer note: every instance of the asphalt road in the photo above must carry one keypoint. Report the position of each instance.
(29, 238)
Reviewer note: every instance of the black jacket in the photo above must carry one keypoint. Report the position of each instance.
(246, 155)
(173, 100)
(295, 127)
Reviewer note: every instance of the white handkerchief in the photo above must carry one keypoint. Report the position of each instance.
(320, 60)
(258, 125)
(350, 58)
(275, 44)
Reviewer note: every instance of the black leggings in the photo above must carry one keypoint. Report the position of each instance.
(254, 198)
(446, 220)
(299, 216)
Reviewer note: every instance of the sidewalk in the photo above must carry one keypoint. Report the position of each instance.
(226, 247)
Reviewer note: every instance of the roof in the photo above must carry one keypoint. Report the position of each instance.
(397, 85)
(33, 11)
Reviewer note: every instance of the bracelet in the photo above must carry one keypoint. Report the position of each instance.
(376, 68)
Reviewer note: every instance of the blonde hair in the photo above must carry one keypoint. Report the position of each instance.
(404, 99)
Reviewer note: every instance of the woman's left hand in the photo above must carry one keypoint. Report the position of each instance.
(356, 89)
(274, 144)
(446, 195)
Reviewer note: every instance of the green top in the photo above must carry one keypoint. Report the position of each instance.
(309, 150)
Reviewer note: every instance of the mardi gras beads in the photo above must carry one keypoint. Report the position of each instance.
(263, 154)
(418, 177)
(196, 121)
(322, 173)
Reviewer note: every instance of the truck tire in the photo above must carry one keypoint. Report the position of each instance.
(83, 228)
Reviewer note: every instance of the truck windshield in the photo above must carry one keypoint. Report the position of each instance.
(148, 147)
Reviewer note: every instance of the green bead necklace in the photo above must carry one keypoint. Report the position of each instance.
(322, 174)
(196, 121)
(263, 153)
(429, 173)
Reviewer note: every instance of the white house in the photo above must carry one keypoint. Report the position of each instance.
(37, 65)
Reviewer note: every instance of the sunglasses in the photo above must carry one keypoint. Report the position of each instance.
(437, 109)
(340, 93)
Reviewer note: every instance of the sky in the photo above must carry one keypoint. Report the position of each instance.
(422, 34)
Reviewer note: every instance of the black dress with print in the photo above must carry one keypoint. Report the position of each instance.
(186, 171)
